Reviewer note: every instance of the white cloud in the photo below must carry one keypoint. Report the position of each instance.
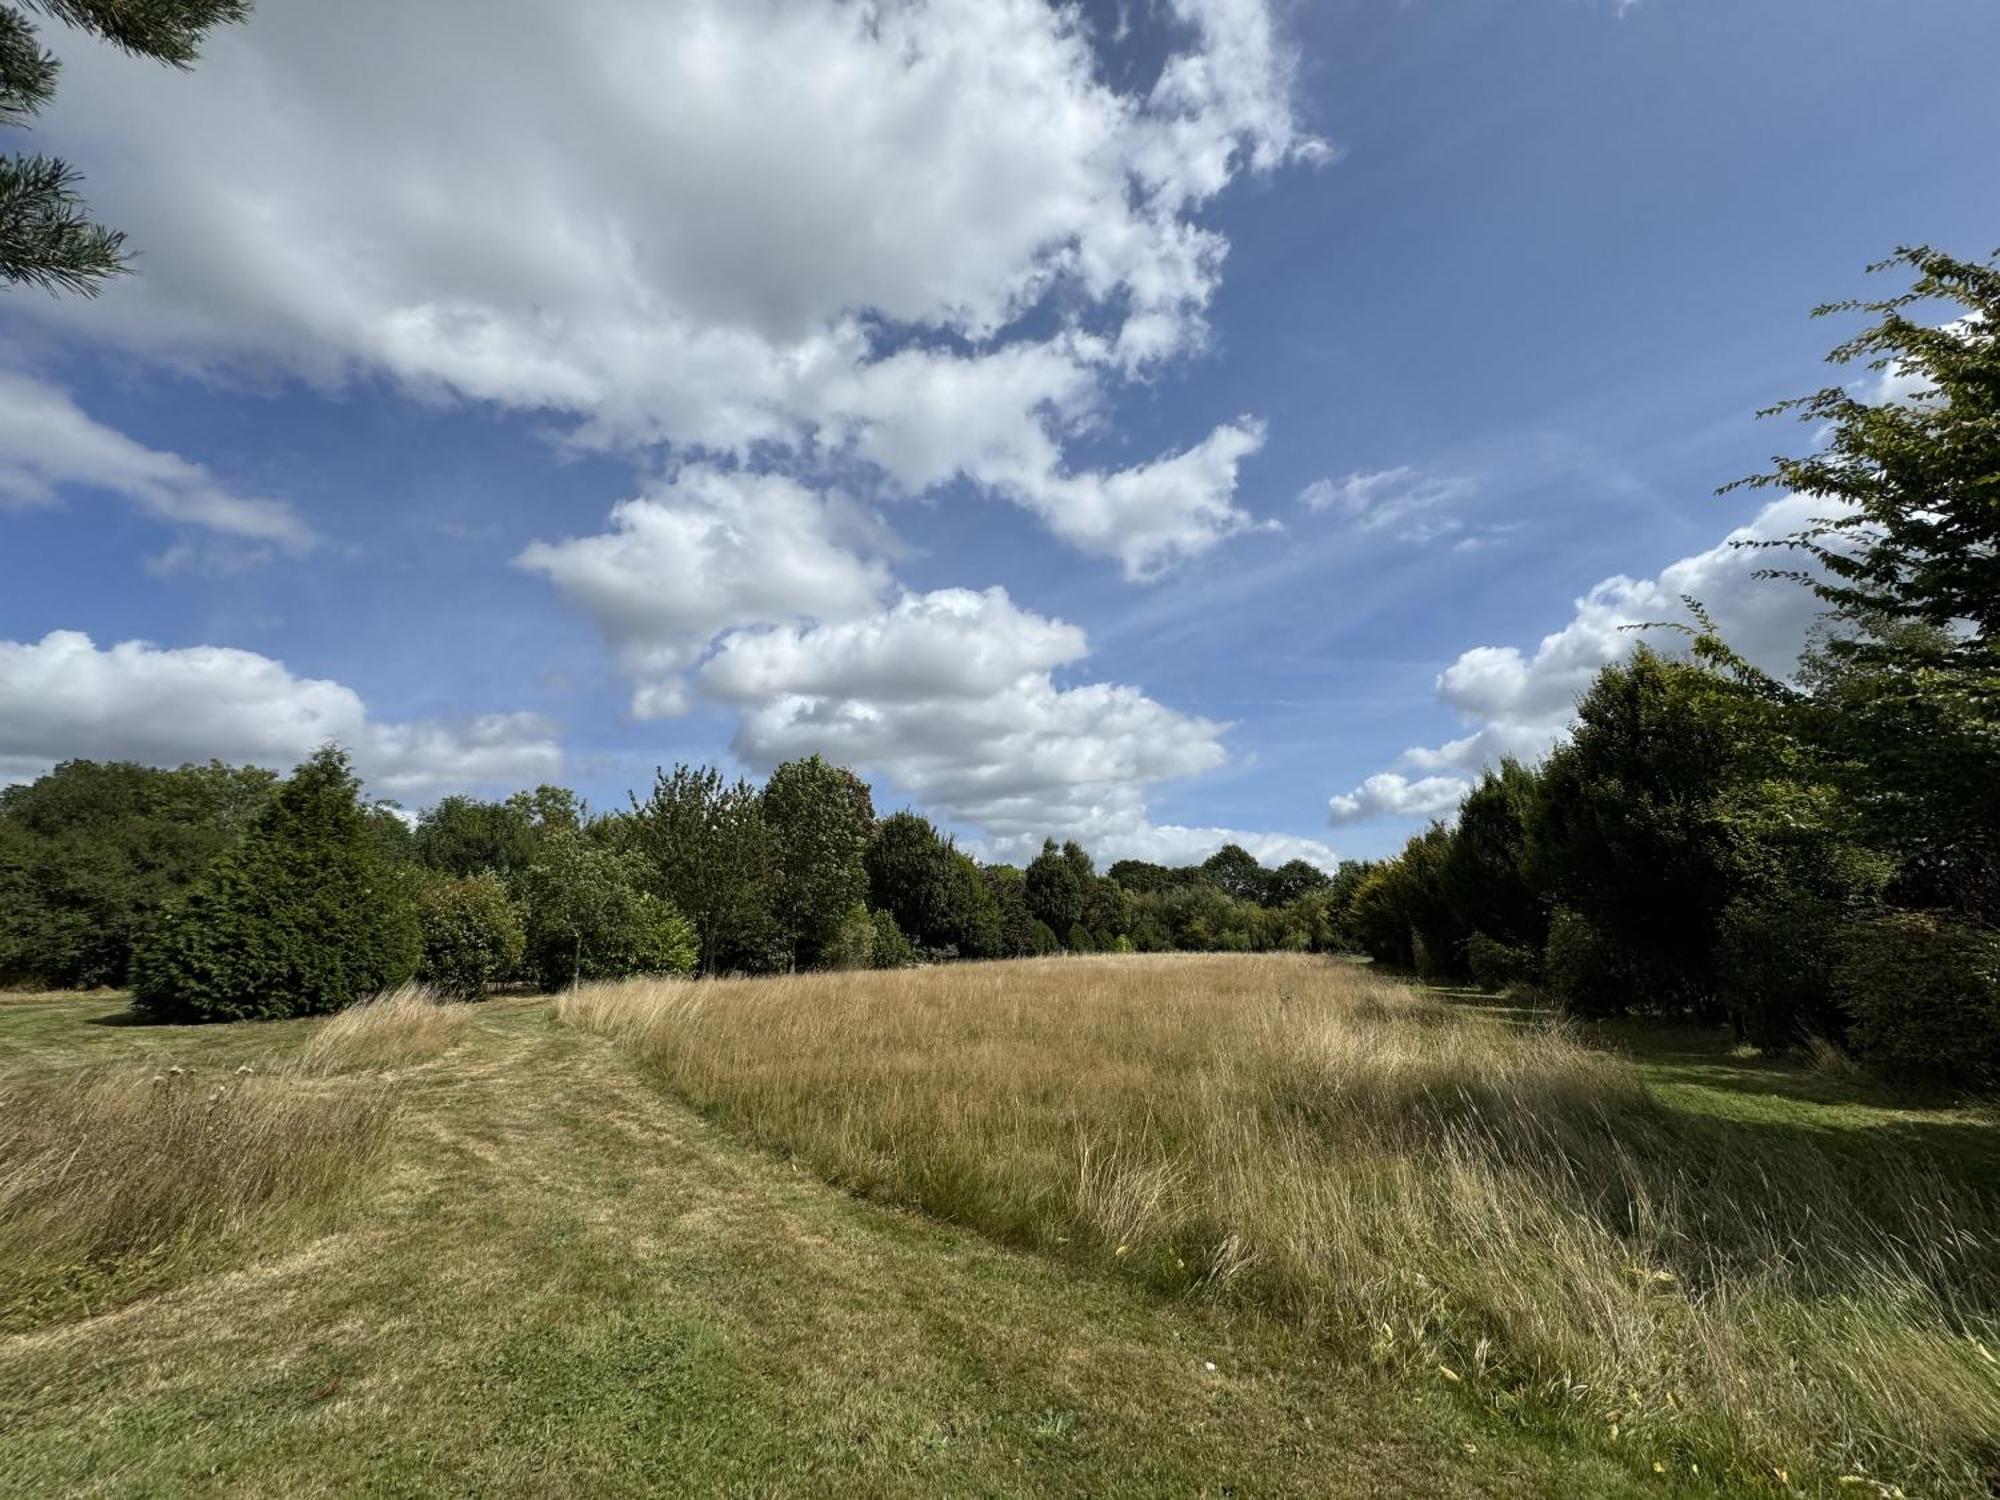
(1520, 703)
(950, 695)
(1388, 795)
(953, 643)
(713, 221)
(63, 698)
(703, 552)
(1411, 506)
(47, 443)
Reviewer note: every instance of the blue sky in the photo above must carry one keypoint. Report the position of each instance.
(1294, 402)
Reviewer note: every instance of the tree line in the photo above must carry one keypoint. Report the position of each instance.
(1813, 856)
(221, 892)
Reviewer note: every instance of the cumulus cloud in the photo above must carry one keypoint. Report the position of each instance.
(1388, 794)
(1411, 506)
(1520, 703)
(62, 697)
(950, 695)
(741, 225)
(705, 551)
(48, 444)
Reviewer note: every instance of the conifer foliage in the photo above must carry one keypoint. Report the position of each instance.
(47, 237)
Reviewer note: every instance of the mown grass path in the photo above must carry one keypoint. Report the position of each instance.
(568, 1284)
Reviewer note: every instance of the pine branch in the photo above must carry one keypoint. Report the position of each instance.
(169, 31)
(45, 238)
(27, 73)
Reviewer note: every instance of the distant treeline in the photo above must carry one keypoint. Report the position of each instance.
(221, 891)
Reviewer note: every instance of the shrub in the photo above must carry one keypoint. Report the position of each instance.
(891, 950)
(1080, 940)
(1044, 940)
(300, 917)
(1495, 964)
(472, 935)
(1923, 997)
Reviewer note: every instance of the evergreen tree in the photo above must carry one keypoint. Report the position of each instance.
(47, 238)
(301, 917)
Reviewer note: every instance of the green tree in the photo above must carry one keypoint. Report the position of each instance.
(1293, 879)
(1236, 873)
(1055, 886)
(913, 875)
(590, 916)
(1628, 836)
(472, 936)
(1009, 888)
(47, 238)
(1907, 555)
(300, 917)
(465, 836)
(91, 853)
(1486, 878)
(820, 817)
(713, 858)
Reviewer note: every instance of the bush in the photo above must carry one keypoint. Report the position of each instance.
(472, 935)
(1080, 940)
(891, 950)
(301, 917)
(1495, 964)
(1922, 994)
(1044, 940)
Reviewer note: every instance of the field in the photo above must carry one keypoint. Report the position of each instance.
(1178, 1225)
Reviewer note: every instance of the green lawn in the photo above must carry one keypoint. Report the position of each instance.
(567, 1284)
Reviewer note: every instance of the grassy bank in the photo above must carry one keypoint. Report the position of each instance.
(1413, 1184)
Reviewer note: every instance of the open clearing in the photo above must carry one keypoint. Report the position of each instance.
(564, 1280)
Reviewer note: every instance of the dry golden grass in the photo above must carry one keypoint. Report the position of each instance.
(112, 1183)
(120, 1181)
(1498, 1208)
(396, 1029)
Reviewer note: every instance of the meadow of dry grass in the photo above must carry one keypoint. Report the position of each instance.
(1496, 1208)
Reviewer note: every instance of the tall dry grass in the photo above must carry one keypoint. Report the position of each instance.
(396, 1029)
(1427, 1188)
(116, 1183)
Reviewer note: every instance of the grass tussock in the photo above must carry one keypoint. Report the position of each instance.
(396, 1029)
(1498, 1208)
